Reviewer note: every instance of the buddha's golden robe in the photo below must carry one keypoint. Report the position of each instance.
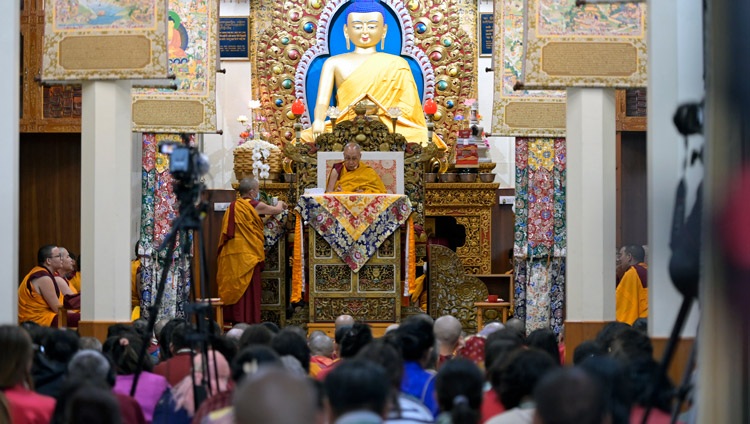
(390, 83)
(240, 250)
(363, 180)
(31, 305)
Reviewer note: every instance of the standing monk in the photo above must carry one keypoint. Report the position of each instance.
(241, 253)
(353, 176)
(631, 294)
(41, 291)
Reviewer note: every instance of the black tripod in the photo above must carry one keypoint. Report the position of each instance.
(186, 167)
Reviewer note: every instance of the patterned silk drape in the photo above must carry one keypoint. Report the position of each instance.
(158, 209)
(540, 240)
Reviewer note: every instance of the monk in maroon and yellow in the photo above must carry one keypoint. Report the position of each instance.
(41, 291)
(352, 176)
(241, 254)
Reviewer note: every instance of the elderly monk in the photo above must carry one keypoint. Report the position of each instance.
(241, 254)
(353, 176)
(41, 291)
(385, 77)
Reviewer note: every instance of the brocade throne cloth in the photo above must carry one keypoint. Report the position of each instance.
(355, 225)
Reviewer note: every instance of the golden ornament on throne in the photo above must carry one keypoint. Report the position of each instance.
(365, 73)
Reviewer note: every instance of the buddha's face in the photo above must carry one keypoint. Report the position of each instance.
(365, 29)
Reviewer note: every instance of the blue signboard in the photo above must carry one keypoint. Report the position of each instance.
(486, 33)
(234, 37)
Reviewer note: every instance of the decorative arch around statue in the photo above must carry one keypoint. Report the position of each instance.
(440, 52)
(329, 41)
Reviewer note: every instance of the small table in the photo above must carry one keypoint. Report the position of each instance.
(492, 310)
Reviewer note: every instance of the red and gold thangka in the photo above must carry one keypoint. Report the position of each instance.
(355, 225)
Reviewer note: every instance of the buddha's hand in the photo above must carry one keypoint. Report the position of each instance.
(318, 127)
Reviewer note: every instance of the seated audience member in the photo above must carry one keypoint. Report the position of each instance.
(607, 334)
(459, 392)
(179, 364)
(256, 334)
(357, 392)
(516, 325)
(417, 340)
(516, 382)
(447, 331)
(89, 404)
(165, 338)
(353, 176)
(59, 346)
(472, 349)
(89, 343)
(23, 404)
(490, 328)
(641, 324)
(353, 339)
(630, 344)
(545, 340)
(587, 349)
(321, 349)
(642, 373)
(68, 269)
(74, 277)
(496, 351)
(570, 396)
(275, 396)
(41, 291)
(337, 337)
(404, 408)
(179, 407)
(290, 344)
(218, 408)
(123, 351)
(610, 374)
(93, 368)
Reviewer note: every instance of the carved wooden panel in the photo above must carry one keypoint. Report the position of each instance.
(370, 309)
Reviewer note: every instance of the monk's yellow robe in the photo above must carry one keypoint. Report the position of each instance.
(240, 250)
(75, 282)
(631, 295)
(135, 294)
(363, 180)
(31, 305)
(389, 82)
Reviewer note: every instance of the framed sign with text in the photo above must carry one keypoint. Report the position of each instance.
(486, 34)
(234, 37)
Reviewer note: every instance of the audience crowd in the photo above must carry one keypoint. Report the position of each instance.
(419, 371)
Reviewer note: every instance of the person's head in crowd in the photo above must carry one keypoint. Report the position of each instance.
(343, 321)
(297, 329)
(89, 343)
(338, 335)
(416, 339)
(120, 329)
(224, 345)
(321, 345)
(459, 387)
(140, 326)
(275, 396)
(390, 328)
(641, 324)
(447, 331)
(642, 373)
(505, 334)
(385, 353)
(521, 372)
(36, 332)
(586, 350)
(159, 326)
(315, 333)
(570, 396)
(123, 351)
(90, 365)
(60, 345)
(165, 337)
(241, 326)
(632, 254)
(610, 374)
(496, 352)
(544, 339)
(630, 344)
(290, 343)
(235, 334)
(89, 404)
(271, 326)
(256, 334)
(607, 334)
(490, 328)
(15, 367)
(518, 326)
(180, 341)
(251, 359)
(354, 339)
(218, 377)
(357, 385)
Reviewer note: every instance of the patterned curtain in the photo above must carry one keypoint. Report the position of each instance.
(540, 240)
(159, 208)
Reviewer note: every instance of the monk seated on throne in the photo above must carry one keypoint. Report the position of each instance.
(353, 176)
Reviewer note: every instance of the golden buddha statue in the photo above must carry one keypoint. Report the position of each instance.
(385, 78)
